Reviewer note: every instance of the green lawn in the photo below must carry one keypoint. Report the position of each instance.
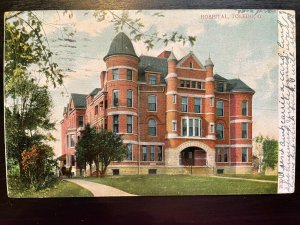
(151, 185)
(61, 189)
(252, 176)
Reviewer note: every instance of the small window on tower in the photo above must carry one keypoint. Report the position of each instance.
(191, 65)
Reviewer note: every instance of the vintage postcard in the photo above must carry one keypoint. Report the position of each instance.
(149, 103)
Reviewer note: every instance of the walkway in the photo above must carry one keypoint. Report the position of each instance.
(239, 178)
(99, 190)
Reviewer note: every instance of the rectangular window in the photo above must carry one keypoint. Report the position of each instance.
(152, 153)
(212, 101)
(184, 104)
(152, 80)
(193, 84)
(199, 85)
(197, 105)
(244, 108)
(174, 98)
(174, 126)
(129, 124)
(184, 127)
(67, 141)
(219, 152)
(129, 151)
(144, 148)
(160, 153)
(197, 128)
(72, 140)
(244, 154)
(129, 98)
(187, 83)
(191, 133)
(182, 83)
(152, 103)
(80, 121)
(244, 130)
(220, 86)
(226, 154)
(129, 74)
(220, 108)
(212, 128)
(115, 74)
(116, 123)
(115, 98)
(96, 109)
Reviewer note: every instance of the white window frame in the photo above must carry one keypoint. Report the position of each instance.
(223, 132)
(129, 90)
(212, 127)
(152, 153)
(152, 76)
(174, 125)
(152, 103)
(200, 104)
(113, 98)
(117, 74)
(222, 109)
(74, 140)
(131, 148)
(174, 98)
(212, 102)
(128, 123)
(151, 127)
(193, 125)
(187, 103)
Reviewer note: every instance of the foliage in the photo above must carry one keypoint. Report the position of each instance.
(109, 147)
(270, 155)
(38, 165)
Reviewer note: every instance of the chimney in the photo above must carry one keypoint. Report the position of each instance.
(102, 78)
(164, 54)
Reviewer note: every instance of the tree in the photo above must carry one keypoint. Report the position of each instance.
(259, 147)
(270, 152)
(85, 147)
(109, 147)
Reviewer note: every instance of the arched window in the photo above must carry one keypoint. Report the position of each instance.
(152, 127)
(220, 131)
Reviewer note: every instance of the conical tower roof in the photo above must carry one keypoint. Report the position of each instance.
(121, 45)
(208, 62)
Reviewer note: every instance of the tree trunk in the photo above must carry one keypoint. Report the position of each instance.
(90, 169)
(97, 168)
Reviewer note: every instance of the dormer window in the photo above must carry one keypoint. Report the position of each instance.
(152, 80)
(221, 86)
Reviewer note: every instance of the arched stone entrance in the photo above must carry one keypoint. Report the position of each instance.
(173, 155)
(193, 156)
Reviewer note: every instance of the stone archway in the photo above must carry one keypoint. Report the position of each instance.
(173, 154)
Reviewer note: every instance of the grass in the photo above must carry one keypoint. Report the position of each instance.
(61, 189)
(152, 185)
(252, 176)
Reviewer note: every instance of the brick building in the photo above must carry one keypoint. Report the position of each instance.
(175, 115)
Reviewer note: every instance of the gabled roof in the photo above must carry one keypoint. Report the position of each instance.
(220, 78)
(95, 91)
(154, 64)
(121, 45)
(79, 100)
(188, 55)
(238, 85)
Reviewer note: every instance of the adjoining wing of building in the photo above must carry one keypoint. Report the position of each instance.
(175, 115)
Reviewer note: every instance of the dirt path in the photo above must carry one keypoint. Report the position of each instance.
(99, 190)
(238, 178)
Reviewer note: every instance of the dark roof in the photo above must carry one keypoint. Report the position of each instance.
(154, 64)
(238, 85)
(95, 91)
(218, 77)
(79, 100)
(121, 45)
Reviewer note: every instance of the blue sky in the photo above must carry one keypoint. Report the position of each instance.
(240, 48)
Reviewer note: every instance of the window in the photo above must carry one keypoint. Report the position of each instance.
(159, 154)
(115, 97)
(193, 84)
(244, 130)
(174, 99)
(197, 105)
(181, 83)
(244, 154)
(244, 108)
(220, 131)
(219, 156)
(80, 121)
(191, 65)
(151, 103)
(129, 98)
(144, 155)
(199, 85)
(96, 109)
(67, 141)
(212, 101)
(129, 124)
(220, 87)
(226, 154)
(222, 154)
(72, 140)
(184, 104)
(191, 127)
(129, 74)
(152, 80)
(115, 74)
(152, 153)
(187, 83)
(220, 108)
(116, 123)
(212, 128)
(72, 160)
(184, 127)
(129, 151)
(174, 125)
(152, 127)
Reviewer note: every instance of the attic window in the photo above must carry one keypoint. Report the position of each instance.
(191, 65)
(152, 80)
(221, 86)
